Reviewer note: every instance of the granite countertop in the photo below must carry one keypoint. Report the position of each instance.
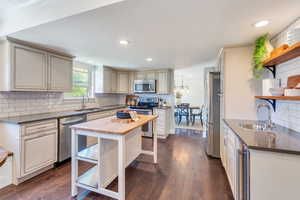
(278, 139)
(56, 115)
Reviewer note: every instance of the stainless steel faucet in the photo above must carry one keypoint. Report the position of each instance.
(269, 122)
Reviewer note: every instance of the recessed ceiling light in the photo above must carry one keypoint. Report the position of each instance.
(261, 23)
(124, 42)
(149, 59)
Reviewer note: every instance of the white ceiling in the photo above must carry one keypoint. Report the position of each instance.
(175, 33)
(17, 15)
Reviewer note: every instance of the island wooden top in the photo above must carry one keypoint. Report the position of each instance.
(111, 126)
(3, 155)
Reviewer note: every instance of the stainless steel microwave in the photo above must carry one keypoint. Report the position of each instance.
(144, 86)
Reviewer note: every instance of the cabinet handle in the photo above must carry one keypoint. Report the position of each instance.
(38, 136)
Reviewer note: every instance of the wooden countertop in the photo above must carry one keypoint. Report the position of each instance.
(108, 125)
(3, 155)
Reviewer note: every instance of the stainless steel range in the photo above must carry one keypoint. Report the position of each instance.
(145, 107)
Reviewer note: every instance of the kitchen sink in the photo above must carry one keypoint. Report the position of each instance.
(254, 126)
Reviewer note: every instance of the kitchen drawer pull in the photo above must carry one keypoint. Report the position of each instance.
(40, 135)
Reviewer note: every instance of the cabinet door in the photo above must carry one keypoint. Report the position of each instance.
(33, 158)
(140, 75)
(123, 81)
(151, 75)
(131, 82)
(106, 81)
(163, 83)
(222, 142)
(60, 73)
(29, 69)
(113, 81)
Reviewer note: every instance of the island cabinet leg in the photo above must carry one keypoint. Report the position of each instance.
(99, 163)
(121, 167)
(154, 142)
(74, 163)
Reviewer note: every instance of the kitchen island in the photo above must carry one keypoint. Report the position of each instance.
(119, 143)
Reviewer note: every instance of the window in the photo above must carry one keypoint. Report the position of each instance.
(82, 81)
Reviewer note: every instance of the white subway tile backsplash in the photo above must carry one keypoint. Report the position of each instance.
(25, 103)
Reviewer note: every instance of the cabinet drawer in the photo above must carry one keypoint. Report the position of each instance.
(38, 151)
(94, 116)
(38, 127)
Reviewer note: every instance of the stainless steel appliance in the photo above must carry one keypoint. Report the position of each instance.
(145, 107)
(144, 86)
(147, 129)
(213, 111)
(64, 136)
(243, 175)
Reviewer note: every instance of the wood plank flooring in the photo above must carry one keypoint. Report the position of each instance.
(184, 172)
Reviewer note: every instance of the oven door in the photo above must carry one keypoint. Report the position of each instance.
(144, 86)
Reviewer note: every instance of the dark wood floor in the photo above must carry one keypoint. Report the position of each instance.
(184, 172)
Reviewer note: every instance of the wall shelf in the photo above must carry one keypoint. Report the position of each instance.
(272, 99)
(286, 55)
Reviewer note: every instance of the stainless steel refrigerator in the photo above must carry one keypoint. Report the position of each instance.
(212, 124)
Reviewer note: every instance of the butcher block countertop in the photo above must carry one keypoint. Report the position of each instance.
(112, 126)
(3, 155)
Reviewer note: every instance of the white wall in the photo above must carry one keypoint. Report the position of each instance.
(193, 77)
(240, 88)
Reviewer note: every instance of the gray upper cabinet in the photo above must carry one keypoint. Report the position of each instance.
(162, 82)
(114, 81)
(123, 82)
(165, 82)
(29, 68)
(105, 80)
(140, 75)
(60, 73)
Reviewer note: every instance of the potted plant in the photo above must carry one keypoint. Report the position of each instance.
(262, 51)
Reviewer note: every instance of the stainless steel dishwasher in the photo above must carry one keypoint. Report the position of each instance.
(64, 136)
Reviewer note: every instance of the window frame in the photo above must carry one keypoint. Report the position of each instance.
(91, 81)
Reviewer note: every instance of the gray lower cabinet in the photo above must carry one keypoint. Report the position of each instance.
(163, 123)
(34, 147)
(38, 151)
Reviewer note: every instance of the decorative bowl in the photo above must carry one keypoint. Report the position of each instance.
(276, 91)
(123, 114)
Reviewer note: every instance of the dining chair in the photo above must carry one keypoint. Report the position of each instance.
(184, 111)
(197, 113)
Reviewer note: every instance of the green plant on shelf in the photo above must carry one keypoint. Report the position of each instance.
(259, 55)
